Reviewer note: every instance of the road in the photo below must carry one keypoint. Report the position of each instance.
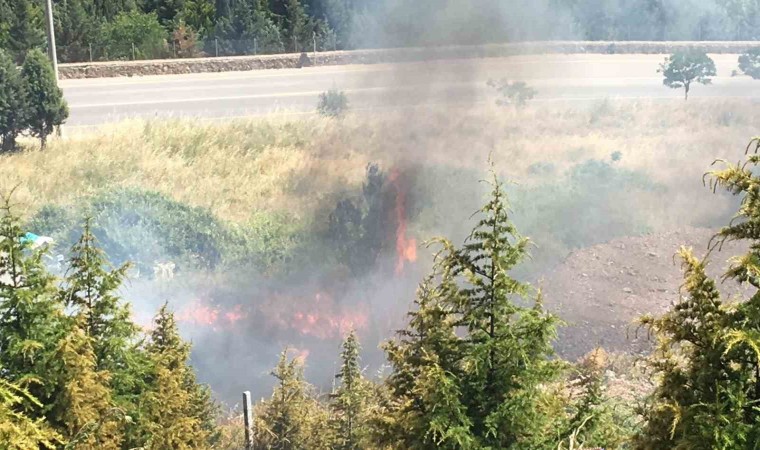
(558, 78)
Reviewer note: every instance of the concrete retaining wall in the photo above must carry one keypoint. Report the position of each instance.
(242, 63)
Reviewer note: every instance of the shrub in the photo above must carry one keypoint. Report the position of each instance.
(142, 30)
(143, 227)
(516, 93)
(332, 103)
(749, 63)
(46, 107)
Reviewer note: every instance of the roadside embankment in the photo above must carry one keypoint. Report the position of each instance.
(286, 61)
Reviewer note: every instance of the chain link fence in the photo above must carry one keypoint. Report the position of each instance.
(129, 51)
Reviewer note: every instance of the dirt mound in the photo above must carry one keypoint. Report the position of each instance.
(600, 291)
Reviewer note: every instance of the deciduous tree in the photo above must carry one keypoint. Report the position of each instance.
(683, 68)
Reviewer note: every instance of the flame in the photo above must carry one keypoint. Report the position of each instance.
(316, 316)
(199, 313)
(300, 355)
(406, 248)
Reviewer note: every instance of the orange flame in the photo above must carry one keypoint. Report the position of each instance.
(199, 313)
(317, 317)
(406, 248)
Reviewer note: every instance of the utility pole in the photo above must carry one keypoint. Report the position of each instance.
(247, 420)
(51, 36)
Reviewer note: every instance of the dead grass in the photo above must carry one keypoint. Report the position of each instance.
(241, 167)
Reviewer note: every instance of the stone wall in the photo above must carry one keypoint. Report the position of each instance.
(242, 63)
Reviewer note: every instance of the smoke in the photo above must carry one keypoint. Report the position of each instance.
(427, 183)
(400, 23)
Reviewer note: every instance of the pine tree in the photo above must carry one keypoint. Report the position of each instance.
(46, 106)
(84, 408)
(707, 355)
(75, 29)
(172, 417)
(223, 9)
(17, 430)
(251, 20)
(340, 14)
(31, 318)
(13, 106)
(166, 10)
(349, 402)
(297, 27)
(292, 419)
(24, 32)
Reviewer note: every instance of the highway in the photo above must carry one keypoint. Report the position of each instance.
(557, 78)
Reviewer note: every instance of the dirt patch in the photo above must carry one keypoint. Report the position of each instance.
(600, 291)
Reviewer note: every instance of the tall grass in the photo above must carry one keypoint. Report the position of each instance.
(241, 167)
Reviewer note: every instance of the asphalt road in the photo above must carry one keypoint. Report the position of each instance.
(558, 78)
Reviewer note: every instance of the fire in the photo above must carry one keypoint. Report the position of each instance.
(323, 321)
(317, 316)
(199, 313)
(406, 247)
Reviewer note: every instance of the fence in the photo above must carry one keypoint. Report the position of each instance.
(129, 51)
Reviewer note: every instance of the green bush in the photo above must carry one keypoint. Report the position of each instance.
(514, 93)
(142, 30)
(749, 62)
(332, 103)
(145, 227)
(585, 206)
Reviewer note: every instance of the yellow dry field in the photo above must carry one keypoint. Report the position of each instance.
(280, 162)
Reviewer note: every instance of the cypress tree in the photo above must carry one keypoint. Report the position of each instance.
(90, 289)
(46, 106)
(350, 400)
(707, 355)
(84, 407)
(424, 409)
(171, 416)
(31, 318)
(292, 418)
(507, 353)
(493, 374)
(17, 430)
(13, 108)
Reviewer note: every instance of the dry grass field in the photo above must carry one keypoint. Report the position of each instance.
(281, 162)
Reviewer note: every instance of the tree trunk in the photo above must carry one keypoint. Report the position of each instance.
(686, 86)
(8, 143)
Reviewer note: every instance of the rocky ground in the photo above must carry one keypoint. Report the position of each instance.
(600, 291)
